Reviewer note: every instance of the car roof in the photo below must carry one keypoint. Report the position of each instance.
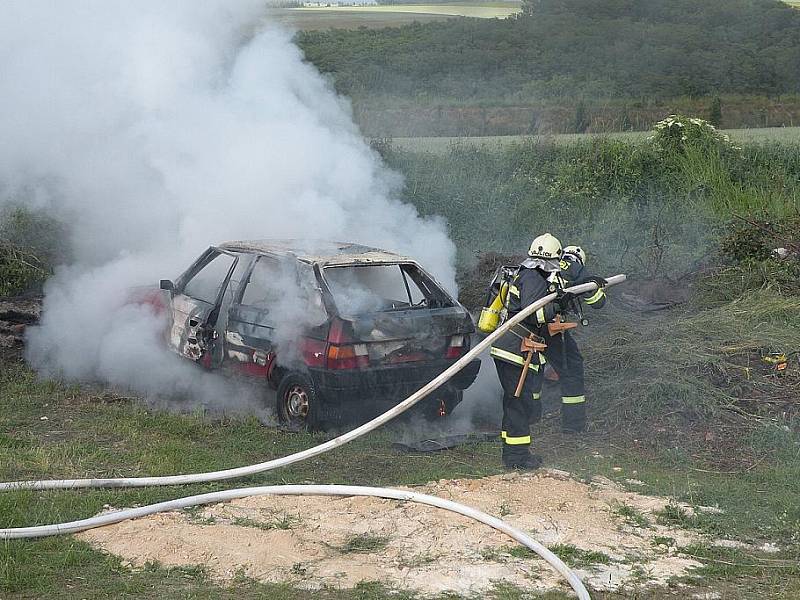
(322, 252)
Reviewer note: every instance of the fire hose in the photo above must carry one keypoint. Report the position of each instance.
(44, 530)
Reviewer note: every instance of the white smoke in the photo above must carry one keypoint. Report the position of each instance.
(154, 129)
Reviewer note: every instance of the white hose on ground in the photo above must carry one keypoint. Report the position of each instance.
(321, 448)
(305, 490)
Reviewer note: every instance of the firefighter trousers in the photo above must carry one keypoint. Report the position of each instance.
(516, 430)
(564, 356)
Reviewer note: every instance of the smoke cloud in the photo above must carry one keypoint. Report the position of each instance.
(154, 129)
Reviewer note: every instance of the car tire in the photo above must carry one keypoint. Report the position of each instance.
(298, 403)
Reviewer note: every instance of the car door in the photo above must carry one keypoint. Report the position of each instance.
(252, 320)
(195, 303)
(277, 301)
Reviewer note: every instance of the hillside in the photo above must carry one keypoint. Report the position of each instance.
(568, 52)
(567, 47)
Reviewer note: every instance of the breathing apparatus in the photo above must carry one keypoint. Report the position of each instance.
(495, 308)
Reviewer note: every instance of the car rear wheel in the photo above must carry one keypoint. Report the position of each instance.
(298, 402)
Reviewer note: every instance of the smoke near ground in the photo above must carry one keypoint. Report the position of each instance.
(156, 129)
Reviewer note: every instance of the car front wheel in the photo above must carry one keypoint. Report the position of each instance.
(298, 402)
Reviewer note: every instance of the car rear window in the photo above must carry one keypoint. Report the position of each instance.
(359, 289)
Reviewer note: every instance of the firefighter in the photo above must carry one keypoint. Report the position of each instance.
(573, 270)
(562, 352)
(535, 279)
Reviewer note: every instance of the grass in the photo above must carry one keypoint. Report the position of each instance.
(675, 516)
(285, 522)
(364, 543)
(570, 554)
(631, 515)
(576, 557)
(440, 145)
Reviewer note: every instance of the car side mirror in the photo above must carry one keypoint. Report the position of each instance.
(166, 284)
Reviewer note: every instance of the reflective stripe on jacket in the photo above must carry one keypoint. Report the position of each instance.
(572, 271)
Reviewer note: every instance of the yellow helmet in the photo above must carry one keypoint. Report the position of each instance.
(545, 246)
(576, 251)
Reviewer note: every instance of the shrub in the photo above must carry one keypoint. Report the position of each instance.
(676, 133)
(30, 243)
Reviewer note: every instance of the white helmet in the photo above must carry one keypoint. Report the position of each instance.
(545, 246)
(576, 251)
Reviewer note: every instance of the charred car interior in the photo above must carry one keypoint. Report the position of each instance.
(341, 332)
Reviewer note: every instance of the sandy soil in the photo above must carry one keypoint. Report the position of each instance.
(309, 540)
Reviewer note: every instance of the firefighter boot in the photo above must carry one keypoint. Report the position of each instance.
(573, 416)
(526, 462)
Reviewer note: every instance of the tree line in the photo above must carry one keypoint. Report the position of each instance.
(572, 48)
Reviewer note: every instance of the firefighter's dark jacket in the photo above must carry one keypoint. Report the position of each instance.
(573, 272)
(528, 286)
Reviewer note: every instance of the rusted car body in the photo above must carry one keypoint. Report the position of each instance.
(342, 332)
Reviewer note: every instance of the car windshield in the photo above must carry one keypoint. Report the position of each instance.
(359, 289)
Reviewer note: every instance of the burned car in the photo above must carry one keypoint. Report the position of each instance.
(340, 332)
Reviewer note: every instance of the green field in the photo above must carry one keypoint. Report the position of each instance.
(487, 10)
(307, 20)
(442, 144)
(377, 16)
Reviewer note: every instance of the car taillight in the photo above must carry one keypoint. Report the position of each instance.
(457, 347)
(341, 352)
(337, 352)
(313, 352)
(340, 332)
(351, 356)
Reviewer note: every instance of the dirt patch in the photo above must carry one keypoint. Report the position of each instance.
(315, 541)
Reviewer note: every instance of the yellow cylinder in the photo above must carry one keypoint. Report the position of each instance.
(489, 320)
(503, 294)
(490, 315)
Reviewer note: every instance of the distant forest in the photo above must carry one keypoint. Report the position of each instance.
(572, 49)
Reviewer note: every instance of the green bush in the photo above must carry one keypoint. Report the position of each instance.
(30, 244)
(677, 133)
